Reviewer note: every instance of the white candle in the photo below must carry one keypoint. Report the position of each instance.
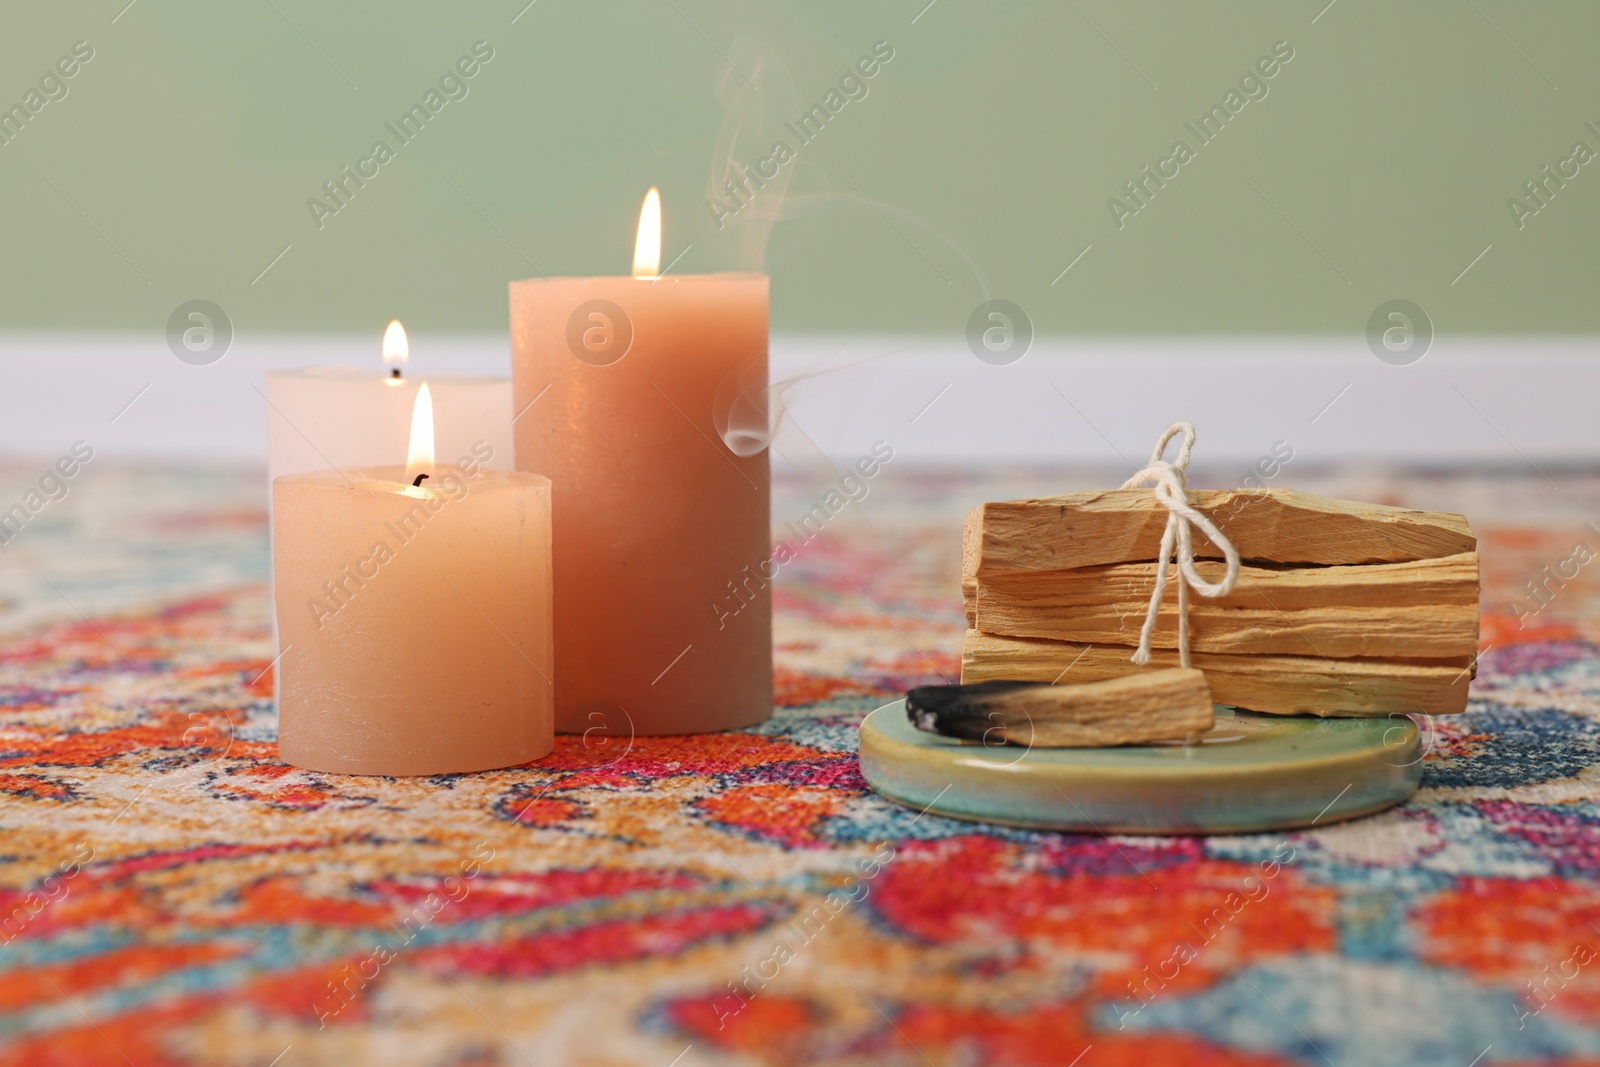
(330, 418)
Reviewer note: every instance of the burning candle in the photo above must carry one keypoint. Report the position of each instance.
(335, 417)
(646, 407)
(414, 614)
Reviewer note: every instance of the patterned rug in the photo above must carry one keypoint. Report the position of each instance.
(171, 893)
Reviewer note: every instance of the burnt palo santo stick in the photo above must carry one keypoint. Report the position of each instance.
(1161, 705)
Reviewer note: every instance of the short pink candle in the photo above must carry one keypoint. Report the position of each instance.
(414, 620)
(630, 389)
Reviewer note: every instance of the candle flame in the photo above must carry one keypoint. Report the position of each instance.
(419, 457)
(647, 248)
(396, 349)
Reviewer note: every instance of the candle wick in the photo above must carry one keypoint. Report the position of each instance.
(418, 480)
(394, 373)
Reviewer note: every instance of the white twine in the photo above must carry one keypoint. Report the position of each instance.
(1171, 489)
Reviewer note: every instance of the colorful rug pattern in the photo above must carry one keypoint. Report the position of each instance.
(172, 894)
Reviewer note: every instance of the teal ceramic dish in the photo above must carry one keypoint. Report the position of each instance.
(1250, 773)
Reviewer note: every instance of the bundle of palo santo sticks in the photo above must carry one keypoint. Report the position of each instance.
(1339, 608)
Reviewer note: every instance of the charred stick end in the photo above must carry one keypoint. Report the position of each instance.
(964, 711)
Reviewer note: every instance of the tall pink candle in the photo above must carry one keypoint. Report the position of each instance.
(626, 387)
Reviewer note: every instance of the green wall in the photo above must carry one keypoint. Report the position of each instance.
(980, 162)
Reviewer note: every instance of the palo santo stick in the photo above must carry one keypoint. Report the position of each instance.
(1428, 608)
(1279, 525)
(1282, 685)
(1148, 706)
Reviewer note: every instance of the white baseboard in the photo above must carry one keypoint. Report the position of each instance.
(1470, 400)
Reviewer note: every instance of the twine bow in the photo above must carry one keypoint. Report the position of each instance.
(1171, 489)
